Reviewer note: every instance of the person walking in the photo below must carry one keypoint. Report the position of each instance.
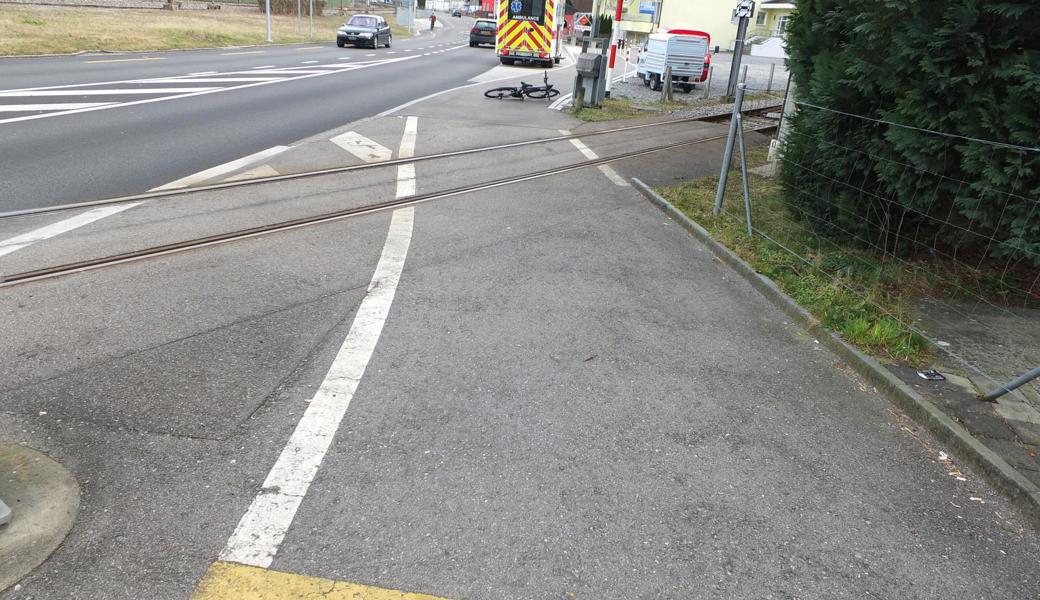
(433, 20)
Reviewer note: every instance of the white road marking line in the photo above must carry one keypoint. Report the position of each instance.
(189, 74)
(362, 147)
(301, 71)
(257, 173)
(427, 53)
(392, 52)
(208, 79)
(311, 48)
(115, 60)
(27, 239)
(411, 134)
(613, 176)
(308, 62)
(119, 92)
(178, 80)
(56, 106)
(220, 169)
(369, 55)
(265, 67)
(261, 530)
(589, 154)
(246, 52)
(406, 172)
(343, 58)
(406, 180)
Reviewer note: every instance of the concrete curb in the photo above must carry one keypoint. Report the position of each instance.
(44, 500)
(1023, 492)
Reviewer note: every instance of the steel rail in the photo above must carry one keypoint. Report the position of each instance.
(252, 232)
(186, 191)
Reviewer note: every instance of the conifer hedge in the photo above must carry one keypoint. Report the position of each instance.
(965, 67)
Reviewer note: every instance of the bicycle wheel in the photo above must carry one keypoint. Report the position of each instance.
(544, 93)
(500, 93)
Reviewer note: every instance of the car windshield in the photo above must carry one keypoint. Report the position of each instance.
(359, 21)
(485, 25)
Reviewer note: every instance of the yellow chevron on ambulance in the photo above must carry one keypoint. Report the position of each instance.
(529, 31)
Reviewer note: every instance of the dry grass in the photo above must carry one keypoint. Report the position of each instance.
(57, 30)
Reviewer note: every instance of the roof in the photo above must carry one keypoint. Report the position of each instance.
(777, 5)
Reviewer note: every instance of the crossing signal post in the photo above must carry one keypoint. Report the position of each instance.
(615, 34)
(742, 14)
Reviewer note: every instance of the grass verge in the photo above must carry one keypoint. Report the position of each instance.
(617, 109)
(58, 30)
(853, 292)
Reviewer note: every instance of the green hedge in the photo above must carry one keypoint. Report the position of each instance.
(965, 67)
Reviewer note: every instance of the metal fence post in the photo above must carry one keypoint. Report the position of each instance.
(769, 86)
(707, 86)
(668, 84)
(734, 122)
(1013, 384)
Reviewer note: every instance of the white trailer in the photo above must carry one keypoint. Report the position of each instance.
(686, 54)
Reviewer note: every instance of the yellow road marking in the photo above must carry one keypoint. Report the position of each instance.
(246, 52)
(230, 581)
(108, 60)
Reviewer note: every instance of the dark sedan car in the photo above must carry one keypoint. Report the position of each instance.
(365, 30)
(483, 32)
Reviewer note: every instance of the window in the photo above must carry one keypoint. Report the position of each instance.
(761, 18)
(527, 10)
(362, 21)
(781, 25)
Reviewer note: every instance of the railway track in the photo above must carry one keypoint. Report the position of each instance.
(13, 279)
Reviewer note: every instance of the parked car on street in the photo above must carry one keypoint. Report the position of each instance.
(365, 30)
(483, 32)
(456, 13)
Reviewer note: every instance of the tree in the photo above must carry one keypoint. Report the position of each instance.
(875, 81)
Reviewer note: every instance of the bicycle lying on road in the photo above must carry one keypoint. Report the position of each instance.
(525, 89)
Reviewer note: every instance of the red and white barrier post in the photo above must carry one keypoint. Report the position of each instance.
(615, 34)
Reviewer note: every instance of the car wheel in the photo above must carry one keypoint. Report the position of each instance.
(340, 44)
(655, 82)
(472, 45)
(389, 40)
(508, 61)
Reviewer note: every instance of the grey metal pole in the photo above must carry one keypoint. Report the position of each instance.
(310, 25)
(707, 85)
(1014, 384)
(738, 52)
(728, 156)
(299, 11)
(743, 169)
(267, 10)
(595, 20)
(769, 86)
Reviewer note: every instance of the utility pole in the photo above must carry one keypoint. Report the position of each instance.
(310, 25)
(267, 9)
(743, 12)
(299, 10)
(615, 34)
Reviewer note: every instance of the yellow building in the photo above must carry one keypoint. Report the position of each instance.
(713, 16)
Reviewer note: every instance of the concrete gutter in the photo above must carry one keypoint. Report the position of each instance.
(1023, 492)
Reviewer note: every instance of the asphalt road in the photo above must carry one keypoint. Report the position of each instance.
(130, 149)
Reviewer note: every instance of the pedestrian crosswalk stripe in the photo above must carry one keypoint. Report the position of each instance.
(230, 581)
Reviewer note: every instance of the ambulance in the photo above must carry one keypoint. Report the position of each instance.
(529, 31)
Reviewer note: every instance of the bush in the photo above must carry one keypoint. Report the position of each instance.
(970, 68)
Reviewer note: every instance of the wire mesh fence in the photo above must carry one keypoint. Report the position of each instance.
(936, 234)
